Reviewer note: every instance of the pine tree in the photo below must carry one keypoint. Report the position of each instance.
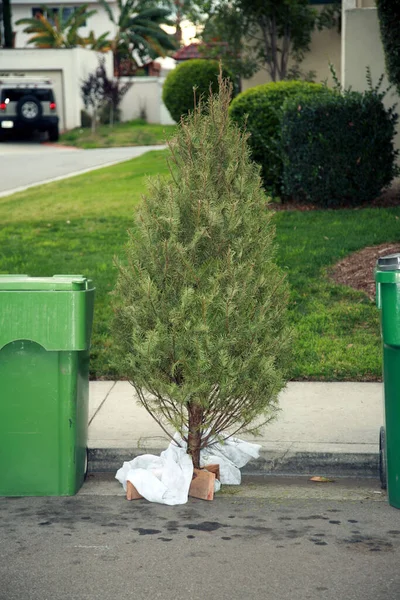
(201, 316)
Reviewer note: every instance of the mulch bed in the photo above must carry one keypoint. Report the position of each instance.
(357, 269)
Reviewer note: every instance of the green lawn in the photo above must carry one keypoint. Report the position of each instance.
(79, 225)
(132, 133)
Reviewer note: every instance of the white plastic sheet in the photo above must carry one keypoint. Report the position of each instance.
(231, 456)
(166, 478)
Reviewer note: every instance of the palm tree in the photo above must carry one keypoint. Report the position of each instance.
(138, 33)
(7, 27)
(100, 44)
(60, 30)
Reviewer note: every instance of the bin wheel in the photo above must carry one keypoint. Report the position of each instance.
(382, 458)
(86, 464)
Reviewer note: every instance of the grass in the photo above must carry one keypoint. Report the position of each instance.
(78, 225)
(337, 328)
(132, 133)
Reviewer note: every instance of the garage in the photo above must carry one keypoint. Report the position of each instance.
(65, 67)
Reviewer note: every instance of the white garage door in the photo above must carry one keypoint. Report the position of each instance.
(56, 79)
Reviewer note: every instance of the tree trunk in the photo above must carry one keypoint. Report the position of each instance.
(94, 121)
(285, 53)
(178, 20)
(194, 435)
(274, 49)
(117, 64)
(8, 35)
(111, 114)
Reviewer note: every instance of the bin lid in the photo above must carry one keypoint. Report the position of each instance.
(57, 283)
(391, 262)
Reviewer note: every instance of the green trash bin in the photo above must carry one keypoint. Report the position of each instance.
(45, 329)
(387, 278)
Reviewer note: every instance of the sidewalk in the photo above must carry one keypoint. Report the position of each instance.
(322, 429)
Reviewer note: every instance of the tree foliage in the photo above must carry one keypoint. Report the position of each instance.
(223, 40)
(270, 33)
(113, 91)
(200, 314)
(99, 91)
(92, 92)
(389, 20)
(181, 10)
(139, 35)
(51, 29)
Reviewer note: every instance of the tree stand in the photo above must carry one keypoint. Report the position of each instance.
(202, 485)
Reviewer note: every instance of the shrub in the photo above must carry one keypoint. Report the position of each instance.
(178, 93)
(338, 149)
(86, 119)
(260, 108)
(201, 321)
(105, 114)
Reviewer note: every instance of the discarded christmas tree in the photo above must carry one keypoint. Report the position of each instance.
(201, 309)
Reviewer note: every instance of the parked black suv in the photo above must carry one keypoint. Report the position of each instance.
(29, 105)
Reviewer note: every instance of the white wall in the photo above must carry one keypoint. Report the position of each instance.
(145, 93)
(361, 48)
(66, 68)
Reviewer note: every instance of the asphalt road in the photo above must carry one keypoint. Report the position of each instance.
(272, 548)
(23, 164)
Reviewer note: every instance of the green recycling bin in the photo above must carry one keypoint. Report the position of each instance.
(45, 329)
(387, 278)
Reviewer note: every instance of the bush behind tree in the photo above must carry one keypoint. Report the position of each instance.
(338, 149)
(389, 22)
(178, 95)
(260, 110)
(201, 310)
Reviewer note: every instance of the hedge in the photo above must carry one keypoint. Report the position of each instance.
(338, 149)
(389, 21)
(260, 109)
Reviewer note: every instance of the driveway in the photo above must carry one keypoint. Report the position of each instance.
(26, 164)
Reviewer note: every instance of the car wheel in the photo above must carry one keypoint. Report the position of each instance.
(29, 109)
(54, 133)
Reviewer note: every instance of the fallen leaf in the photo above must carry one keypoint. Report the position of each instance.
(321, 479)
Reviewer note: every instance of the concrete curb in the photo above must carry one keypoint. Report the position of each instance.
(101, 460)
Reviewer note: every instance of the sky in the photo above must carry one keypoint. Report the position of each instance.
(188, 31)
